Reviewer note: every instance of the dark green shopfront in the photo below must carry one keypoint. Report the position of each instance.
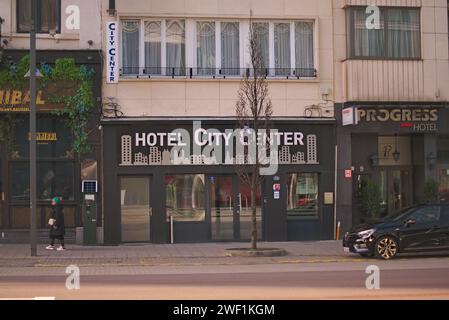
(149, 198)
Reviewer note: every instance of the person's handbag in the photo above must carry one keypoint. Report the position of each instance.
(51, 222)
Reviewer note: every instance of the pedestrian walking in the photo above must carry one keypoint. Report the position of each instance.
(56, 223)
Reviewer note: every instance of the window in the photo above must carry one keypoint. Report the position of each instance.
(302, 195)
(426, 215)
(185, 197)
(53, 179)
(397, 38)
(176, 49)
(230, 48)
(48, 16)
(205, 47)
(186, 47)
(304, 48)
(153, 37)
(282, 48)
(262, 32)
(130, 46)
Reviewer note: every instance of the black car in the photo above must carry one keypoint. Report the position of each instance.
(414, 229)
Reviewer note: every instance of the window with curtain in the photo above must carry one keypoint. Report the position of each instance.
(302, 196)
(261, 34)
(230, 48)
(397, 38)
(130, 46)
(282, 59)
(48, 16)
(205, 47)
(176, 49)
(304, 49)
(152, 47)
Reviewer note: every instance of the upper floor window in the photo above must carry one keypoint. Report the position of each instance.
(398, 35)
(177, 47)
(48, 16)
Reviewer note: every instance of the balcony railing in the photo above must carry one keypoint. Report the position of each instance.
(222, 73)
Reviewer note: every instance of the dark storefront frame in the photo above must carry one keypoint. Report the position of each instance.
(91, 59)
(274, 225)
(353, 156)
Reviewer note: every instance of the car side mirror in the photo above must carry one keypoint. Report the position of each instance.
(409, 222)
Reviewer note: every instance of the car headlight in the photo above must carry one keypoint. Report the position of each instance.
(366, 233)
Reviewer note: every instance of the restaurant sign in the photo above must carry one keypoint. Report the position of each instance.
(19, 101)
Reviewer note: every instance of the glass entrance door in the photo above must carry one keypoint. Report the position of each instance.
(222, 208)
(395, 189)
(135, 208)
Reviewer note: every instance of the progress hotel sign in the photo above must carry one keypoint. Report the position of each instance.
(419, 119)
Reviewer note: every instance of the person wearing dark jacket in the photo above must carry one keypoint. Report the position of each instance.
(57, 227)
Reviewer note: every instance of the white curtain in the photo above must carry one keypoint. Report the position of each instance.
(49, 15)
(261, 33)
(130, 46)
(24, 15)
(176, 50)
(304, 49)
(152, 47)
(205, 51)
(230, 48)
(282, 48)
(367, 42)
(403, 33)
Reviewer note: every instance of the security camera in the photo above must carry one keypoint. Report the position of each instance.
(5, 42)
(90, 42)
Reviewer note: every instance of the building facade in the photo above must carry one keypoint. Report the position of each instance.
(391, 94)
(175, 67)
(65, 30)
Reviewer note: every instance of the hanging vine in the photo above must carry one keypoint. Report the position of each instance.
(65, 83)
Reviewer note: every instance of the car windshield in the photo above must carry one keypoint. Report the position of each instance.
(400, 214)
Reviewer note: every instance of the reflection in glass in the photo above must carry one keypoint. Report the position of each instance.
(185, 197)
(246, 211)
(53, 179)
(222, 210)
(302, 195)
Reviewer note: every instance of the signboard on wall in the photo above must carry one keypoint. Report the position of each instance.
(348, 116)
(112, 64)
(212, 146)
(415, 118)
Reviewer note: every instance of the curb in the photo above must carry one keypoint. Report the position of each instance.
(261, 252)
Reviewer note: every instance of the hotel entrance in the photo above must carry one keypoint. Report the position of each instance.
(135, 209)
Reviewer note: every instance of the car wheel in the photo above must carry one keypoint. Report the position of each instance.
(386, 248)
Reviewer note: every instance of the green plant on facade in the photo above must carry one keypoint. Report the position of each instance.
(370, 197)
(431, 191)
(72, 88)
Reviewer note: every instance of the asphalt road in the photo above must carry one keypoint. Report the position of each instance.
(417, 278)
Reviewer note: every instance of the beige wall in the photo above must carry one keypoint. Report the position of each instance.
(214, 97)
(90, 18)
(382, 80)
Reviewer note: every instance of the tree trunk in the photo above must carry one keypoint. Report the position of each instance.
(253, 217)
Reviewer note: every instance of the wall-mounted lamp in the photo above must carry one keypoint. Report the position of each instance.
(396, 153)
(374, 160)
(431, 160)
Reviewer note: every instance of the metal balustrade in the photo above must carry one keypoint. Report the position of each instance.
(222, 73)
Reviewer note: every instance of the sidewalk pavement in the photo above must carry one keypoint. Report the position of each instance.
(18, 255)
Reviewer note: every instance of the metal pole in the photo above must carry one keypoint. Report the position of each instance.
(33, 128)
(335, 192)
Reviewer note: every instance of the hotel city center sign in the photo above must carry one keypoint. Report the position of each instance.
(416, 118)
(210, 146)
